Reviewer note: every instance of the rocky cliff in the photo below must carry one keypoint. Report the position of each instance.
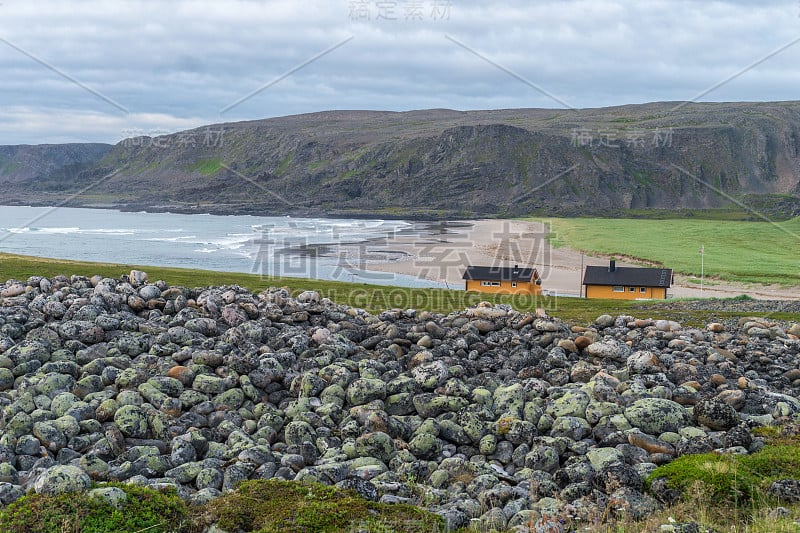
(445, 163)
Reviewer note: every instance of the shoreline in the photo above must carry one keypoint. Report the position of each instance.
(439, 251)
(443, 257)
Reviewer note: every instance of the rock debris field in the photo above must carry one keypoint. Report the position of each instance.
(486, 413)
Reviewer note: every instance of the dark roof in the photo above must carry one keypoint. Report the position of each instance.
(632, 276)
(499, 273)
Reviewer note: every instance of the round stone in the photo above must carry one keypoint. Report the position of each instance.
(61, 479)
(131, 421)
(657, 415)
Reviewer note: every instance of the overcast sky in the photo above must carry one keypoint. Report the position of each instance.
(79, 71)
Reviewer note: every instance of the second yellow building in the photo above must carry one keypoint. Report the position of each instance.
(626, 283)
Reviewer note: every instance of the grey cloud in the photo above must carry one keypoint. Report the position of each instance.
(179, 63)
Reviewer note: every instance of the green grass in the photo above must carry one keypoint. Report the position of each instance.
(373, 298)
(207, 167)
(283, 166)
(745, 252)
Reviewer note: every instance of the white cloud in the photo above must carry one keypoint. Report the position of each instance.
(68, 126)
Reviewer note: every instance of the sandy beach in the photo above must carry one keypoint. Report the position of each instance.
(440, 251)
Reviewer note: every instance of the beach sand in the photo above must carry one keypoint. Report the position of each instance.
(440, 251)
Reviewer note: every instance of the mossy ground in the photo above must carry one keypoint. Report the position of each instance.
(274, 506)
(263, 506)
(146, 510)
(732, 479)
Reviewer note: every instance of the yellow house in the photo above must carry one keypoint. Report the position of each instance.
(503, 280)
(626, 283)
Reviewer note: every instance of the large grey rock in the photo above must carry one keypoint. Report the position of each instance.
(644, 362)
(10, 493)
(715, 414)
(131, 421)
(612, 349)
(113, 496)
(571, 403)
(81, 330)
(377, 444)
(61, 479)
(657, 415)
(364, 390)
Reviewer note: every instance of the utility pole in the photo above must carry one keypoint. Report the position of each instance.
(702, 266)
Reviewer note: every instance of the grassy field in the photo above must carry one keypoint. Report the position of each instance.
(373, 298)
(747, 252)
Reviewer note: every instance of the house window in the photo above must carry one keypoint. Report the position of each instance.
(631, 289)
(618, 288)
(513, 283)
(490, 283)
(642, 289)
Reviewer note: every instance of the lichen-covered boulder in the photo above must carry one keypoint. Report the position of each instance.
(431, 405)
(364, 390)
(425, 446)
(113, 496)
(657, 415)
(571, 403)
(716, 414)
(298, 431)
(509, 400)
(376, 444)
(131, 421)
(61, 479)
(609, 349)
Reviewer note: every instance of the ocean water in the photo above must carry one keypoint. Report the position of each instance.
(316, 248)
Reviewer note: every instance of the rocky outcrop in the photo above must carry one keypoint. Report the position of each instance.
(24, 162)
(484, 414)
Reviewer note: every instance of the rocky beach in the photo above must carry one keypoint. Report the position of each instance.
(486, 416)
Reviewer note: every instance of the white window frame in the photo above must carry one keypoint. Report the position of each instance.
(618, 288)
(490, 283)
(642, 289)
(513, 283)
